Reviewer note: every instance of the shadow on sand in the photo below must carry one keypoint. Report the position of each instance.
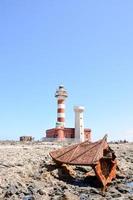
(78, 180)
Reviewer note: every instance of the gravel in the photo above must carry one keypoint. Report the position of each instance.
(27, 172)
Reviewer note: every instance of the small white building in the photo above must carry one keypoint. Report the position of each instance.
(79, 123)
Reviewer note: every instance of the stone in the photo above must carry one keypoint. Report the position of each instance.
(120, 175)
(123, 188)
(84, 197)
(94, 190)
(70, 196)
(29, 197)
(11, 190)
(41, 192)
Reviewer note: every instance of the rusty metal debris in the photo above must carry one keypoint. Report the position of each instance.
(98, 155)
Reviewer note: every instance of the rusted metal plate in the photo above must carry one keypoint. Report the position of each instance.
(84, 153)
(105, 170)
(98, 155)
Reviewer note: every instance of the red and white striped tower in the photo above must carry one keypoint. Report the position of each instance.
(61, 95)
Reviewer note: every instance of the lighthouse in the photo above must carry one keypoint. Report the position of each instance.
(60, 132)
(61, 95)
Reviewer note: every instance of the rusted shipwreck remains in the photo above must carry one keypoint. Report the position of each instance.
(98, 155)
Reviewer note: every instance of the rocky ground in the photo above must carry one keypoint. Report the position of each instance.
(28, 173)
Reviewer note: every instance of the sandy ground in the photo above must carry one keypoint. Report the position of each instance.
(27, 172)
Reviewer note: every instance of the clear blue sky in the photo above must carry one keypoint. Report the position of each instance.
(85, 45)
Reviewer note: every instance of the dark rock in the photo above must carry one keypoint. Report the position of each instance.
(69, 196)
(41, 192)
(120, 175)
(84, 197)
(29, 197)
(123, 188)
(94, 190)
(32, 189)
(37, 176)
(130, 197)
(115, 193)
(11, 190)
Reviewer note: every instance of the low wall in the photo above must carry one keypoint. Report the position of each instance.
(68, 133)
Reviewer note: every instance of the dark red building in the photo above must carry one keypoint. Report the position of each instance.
(62, 133)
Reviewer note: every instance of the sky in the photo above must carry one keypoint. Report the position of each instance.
(85, 45)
